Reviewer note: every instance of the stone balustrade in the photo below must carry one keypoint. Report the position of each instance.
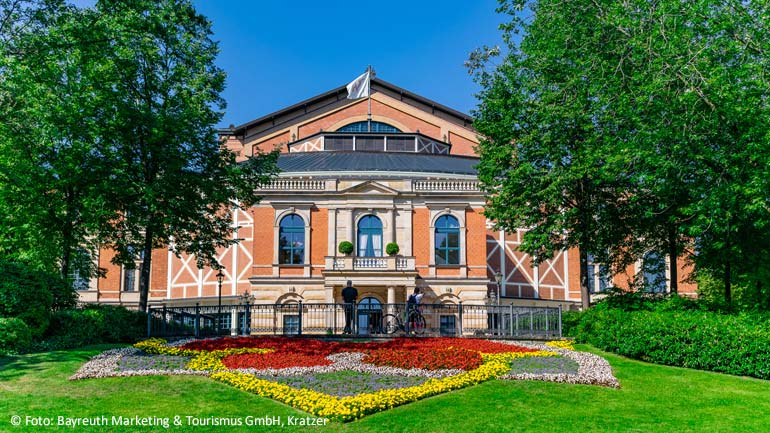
(385, 263)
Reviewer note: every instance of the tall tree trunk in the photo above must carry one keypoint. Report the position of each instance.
(585, 296)
(672, 255)
(144, 275)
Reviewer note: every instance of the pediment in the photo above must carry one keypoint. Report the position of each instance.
(370, 188)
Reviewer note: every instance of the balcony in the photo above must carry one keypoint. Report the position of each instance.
(386, 263)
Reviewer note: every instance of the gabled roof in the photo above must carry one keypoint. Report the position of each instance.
(337, 97)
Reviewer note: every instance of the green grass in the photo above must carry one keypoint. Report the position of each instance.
(653, 399)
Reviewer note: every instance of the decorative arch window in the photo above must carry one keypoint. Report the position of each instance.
(369, 237)
(362, 127)
(654, 272)
(447, 240)
(291, 240)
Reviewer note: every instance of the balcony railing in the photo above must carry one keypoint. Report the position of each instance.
(446, 185)
(385, 263)
(295, 185)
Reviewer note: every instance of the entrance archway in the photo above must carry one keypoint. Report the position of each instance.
(369, 318)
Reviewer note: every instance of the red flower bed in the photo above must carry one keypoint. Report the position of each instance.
(484, 346)
(274, 360)
(426, 358)
(426, 353)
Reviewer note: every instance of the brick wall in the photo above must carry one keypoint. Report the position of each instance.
(476, 242)
(264, 232)
(421, 240)
(319, 239)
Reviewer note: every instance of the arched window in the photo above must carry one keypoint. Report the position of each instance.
(291, 240)
(654, 272)
(363, 127)
(447, 240)
(369, 316)
(370, 237)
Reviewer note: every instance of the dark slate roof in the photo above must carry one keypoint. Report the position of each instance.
(376, 161)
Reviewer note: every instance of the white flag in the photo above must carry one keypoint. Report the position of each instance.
(359, 88)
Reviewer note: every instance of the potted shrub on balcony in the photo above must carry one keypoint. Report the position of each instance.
(346, 248)
(392, 249)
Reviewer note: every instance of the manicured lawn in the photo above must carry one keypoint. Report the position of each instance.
(653, 399)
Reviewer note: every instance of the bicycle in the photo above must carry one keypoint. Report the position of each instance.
(392, 323)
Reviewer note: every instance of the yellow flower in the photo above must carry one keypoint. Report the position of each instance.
(561, 344)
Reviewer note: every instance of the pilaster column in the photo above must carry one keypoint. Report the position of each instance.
(332, 239)
(391, 299)
(352, 226)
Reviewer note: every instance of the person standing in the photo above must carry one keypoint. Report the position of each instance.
(349, 295)
(413, 305)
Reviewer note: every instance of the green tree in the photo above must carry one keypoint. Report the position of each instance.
(677, 113)
(50, 161)
(175, 185)
(545, 154)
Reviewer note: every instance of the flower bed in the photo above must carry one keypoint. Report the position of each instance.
(347, 383)
(345, 380)
(427, 358)
(275, 360)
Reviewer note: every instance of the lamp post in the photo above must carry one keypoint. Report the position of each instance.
(497, 321)
(247, 298)
(220, 277)
(499, 281)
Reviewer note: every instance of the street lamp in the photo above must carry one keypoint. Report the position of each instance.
(499, 281)
(246, 297)
(220, 277)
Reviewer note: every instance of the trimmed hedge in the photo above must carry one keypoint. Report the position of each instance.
(15, 335)
(93, 324)
(733, 344)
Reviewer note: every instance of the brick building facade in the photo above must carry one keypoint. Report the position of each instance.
(410, 181)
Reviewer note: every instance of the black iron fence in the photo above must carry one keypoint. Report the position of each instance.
(366, 320)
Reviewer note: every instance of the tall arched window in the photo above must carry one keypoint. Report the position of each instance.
(291, 240)
(654, 272)
(447, 240)
(370, 237)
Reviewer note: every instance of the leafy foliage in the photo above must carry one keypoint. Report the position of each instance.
(177, 185)
(628, 127)
(52, 167)
(346, 247)
(24, 294)
(123, 99)
(391, 248)
(93, 324)
(733, 344)
(15, 335)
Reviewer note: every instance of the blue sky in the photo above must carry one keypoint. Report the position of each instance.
(279, 53)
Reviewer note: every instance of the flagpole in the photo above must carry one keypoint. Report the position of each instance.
(369, 100)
